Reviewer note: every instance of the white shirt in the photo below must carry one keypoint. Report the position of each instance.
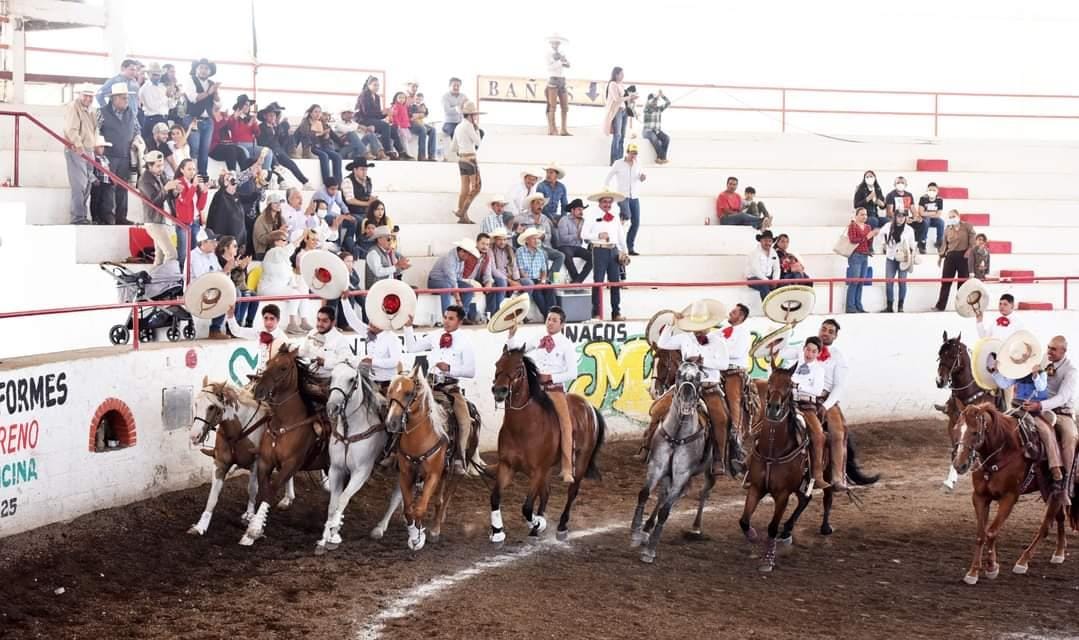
(987, 329)
(460, 355)
(713, 358)
(331, 346)
(762, 265)
(466, 138)
(1062, 385)
(616, 233)
(809, 377)
(905, 239)
(627, 177)
(516, 198)
(294, 218)
(738, 345)
(555, 66)
(153, 98)
(343, 128)
(277, 272)
(384, 348)
(560, 363)
(264, 350)
(836, 376)
(203, 263)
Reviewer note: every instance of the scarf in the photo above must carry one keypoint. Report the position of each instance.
(547, 343)
(1003, 321)
(446, 341)
(824, 354)
(728, 331)
(701, 339)
(266, 338)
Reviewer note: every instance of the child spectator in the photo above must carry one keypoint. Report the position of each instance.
(930, 208)
(979, 258)
(102, 190)
(400, 119)
(417, 113)
(756, 208)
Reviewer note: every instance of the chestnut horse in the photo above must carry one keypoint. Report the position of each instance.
(529, 443)
(954, 371)
(989, 446)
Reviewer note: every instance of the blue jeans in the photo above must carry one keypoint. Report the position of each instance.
(891, 269)
(762, 289)
(253, 151)
(660, 142)
(425, 136)
(630, 209)
(741, 220)
(555, 259)
(355, 148)
(435, 282)
(246, 311)
(857, 266)
(876, 222)
(329, 162)
(199, 141)
(542, 298)
(921, 230)
(495, 298)
(181, 242)
(618, 131)
(449, 127)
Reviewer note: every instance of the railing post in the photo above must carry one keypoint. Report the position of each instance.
(936, 115)
(1065, 293)
(831, 296)
(15, 177)
(783, 112)
(602, 290)
(135, 327)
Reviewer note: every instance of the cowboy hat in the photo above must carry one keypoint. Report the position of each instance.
(100, 141)
(85, 90)
(470, 109)
(531, 232)
(971, 298)
(119, 89)
(273, 106)
(557, 169)
(242, 100)
(536, 196)
(763, 347)
(632, 148)
(606, 193)
(656, 324)
(499, 200)
(701, 315)
(983, 359)
(154, 69)
(767, 233)
(358, 163)
(210, 295)
(274, 197)
(576, 202)
(510, 313)
(1018, 355)
(151, 157)
(382, 232)
(529, 172)
(324, 273)
(554, 37)
(389, 304)
(789, 305)
(500, 232)
(195, 66)
(469, 245)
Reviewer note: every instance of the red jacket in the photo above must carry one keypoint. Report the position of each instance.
(728, 203)
(189, 199)
(242, 131)
(399, 116)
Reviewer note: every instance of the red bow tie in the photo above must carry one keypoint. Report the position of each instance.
(265, 337)
(824, 354)
(607, 217)
(1003, 321)
(702, 339)
(727, 331)
(446, 341)
(547, 343)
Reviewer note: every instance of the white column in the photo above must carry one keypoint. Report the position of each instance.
(18, 62)
(115, 34)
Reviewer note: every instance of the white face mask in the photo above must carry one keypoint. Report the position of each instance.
(900, 187)
(951, 221)
(932, 193)
(869, 180)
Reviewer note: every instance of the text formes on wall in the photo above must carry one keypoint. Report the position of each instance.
(20, 431)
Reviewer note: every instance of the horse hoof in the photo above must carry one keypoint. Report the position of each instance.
(693, 534)
(766, 567)
(789, 540)
(1056, 559)
(417, 544)
(1019, 569)
(332, 546)
(648, 557)
(320, 549)
(246, 517)
(947, 488)
(195, 531)
(562, 536)
(498, 537)
(969, 579)
(377, 533)
(751, 536)
(435, 537)
(246, 541)
(539, 525)
(826, 529)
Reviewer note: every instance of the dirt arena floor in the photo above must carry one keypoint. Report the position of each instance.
(891, 571)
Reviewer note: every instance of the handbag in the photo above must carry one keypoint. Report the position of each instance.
(843, 245)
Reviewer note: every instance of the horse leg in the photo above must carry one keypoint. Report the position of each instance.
(753, 498)
(709, 482)
(290, 495)
(648, 554)
(786, 535)
(981, 514)
(417, 535)
(407, 486)
(218, 483)
(252, 493)
(336, 483)
(825, 524)
(562, 534)
(656, 470)
(768, 562)
(1062, 540)
(502, 480)
(446, 492)
(537, 523)
(257, 526)
(1051, 509)
(395, 502)
(662, 489)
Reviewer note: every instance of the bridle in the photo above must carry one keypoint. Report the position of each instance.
(519, 374)
(956, 364)
(210, 425)
(688, 407)
(786, 403)
(406, 410)
(271, 395)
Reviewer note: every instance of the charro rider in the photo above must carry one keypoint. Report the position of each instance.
(556, 359)
(808, 379)
(383, 347)
(1062, 380)
(453, 359)
(325, 347)
(736, 383)
(270, 337)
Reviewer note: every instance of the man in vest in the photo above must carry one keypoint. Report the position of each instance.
(119, 125)
(356, 188)
(200, 105)
(382, 260)
(1062, 382)
(80, 129)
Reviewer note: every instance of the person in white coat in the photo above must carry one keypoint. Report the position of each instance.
(383, 347)
(900, 249)
(1007, 323)
(277, 278)
(324, 345)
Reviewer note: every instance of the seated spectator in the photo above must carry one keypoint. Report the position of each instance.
(569, 241)
(179, 148)
(536, 220)
(482, 270)
(928, 214)
(325, 229)
(275, 136)
(729, 208)
(869, 196)
(357, 188)
(762, 263)
(154, 102)
(756, 208)
(790, 267)
(356, 141)
(448, 273)
(221, 147)
(376, 215)
(370, 112)
(313, 135)
(159, 191)
(365, 241)
(417, 113)
(226, 215)
(452, 103)
(499, 218)
(102, 189)
(330, 195)
(979, 257)
(270, 220)
(292, 209)
(627, 174)
(520, 192)
(504, 270)
(383, 261)
(403, 121)
(898, 199)
(555, 192)
(245, 131)
(203, 258)
(228, 256)
(653, 128)
(532, 263)
(354, 284)
(158, 140)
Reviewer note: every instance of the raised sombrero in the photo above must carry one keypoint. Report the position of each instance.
(210, 295)
(389, 304)
(789, 305)
(660, 321)
(324, 273)
(702, 315)
(982, 358)
(1019, 354)
(971, 298)
(511, 312)
(763, 347)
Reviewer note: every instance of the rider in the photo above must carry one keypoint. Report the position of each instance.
(1062, 382)
(1006, 323)
(835, 384)
(453, 360)
(383, 347)
(735, 378)
(1034, 387)
(556, 359)
(270, 337)
(808, 379)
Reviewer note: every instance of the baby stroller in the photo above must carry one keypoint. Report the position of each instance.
(164, 282)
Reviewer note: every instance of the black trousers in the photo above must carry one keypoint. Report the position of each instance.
(577, 252)
(606, 268)
(955, 266)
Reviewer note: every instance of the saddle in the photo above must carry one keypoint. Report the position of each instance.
(445, 400)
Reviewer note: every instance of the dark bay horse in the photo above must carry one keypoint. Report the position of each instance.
(529, 443)
(989, 447)
(955, 372)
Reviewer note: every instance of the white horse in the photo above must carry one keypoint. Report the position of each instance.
(356, 444)
(239, 420)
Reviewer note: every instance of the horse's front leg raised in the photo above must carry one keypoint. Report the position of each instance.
(218, 483)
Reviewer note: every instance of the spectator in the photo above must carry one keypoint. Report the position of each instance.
(399, 116)
(102, 189)
(607, 239)
(354, 284)
(276, 278)
(556, 85)
(200, 108)
(900, 249)
(504, 270)
(159, 141)
(222, 148)
(127, 78)
(521, 192)
(292, 212)
(979, 258)
(448, 273)
(357, 141)
(383, 261)
(328, 212)
(570, 243)
(729, 208)
(532, 263)
(499, 218)
(330, 195)
(898, 199)
(228, 256)
(270, 220)
(80, 129)
(555, 191)
(376, 214)
(179, 149)
(756, 208)
(245, 131)
(174, 94)
(536, 220)
(188, 206)
(356, 189)
(155, 188)
(482, 270)
(861, 235)
(869, 196)
(954, 255)
(226, 215)
(203, 258)
(930, 208)
(274, 135)
(614, 120)
(466, 142)
(120, 127)
(453, 103)
(371, 113)
(790, 267)
(631, 111)
(154, 100)
(365, 241)
(653, 127)
(417, 114)
(762, 263)
(313, 135)
(628, 175)
(325, 229)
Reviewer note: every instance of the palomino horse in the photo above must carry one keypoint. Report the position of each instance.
(290, 443)
(954, 371)
(679, 449)
(1002, 474)
(529, 443)
(239, 422)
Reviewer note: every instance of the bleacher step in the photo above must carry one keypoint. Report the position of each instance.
(1035, 306)
(1000, 246)
(932, 165)
(953, 193)
(976, 219)
(1017, 275)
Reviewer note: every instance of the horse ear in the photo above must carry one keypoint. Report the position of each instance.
(505, 348)
(254, 377)
(205, 381)
(792, 368)
(945, 337)
(959, 337)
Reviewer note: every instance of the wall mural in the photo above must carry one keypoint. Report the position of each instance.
(22, 402)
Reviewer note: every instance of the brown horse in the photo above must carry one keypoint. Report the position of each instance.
(529, 442)
(954, 371)
(989, 446)
(290, 443)
(665, 364)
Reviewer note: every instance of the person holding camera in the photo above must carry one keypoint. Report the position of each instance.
(226, 214)
(188, 204)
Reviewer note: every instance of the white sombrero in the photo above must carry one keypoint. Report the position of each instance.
(510, 313)
(763, 347)
(660, 321)
(536, 196)
(528, 233)
(210, 295)
(469, 245)
(557, 38)
(606, 193)
(1019, 354)
(529, 172)
(701, 315)
(324, 273)
(789, 305)
(983, 359)
(552, 166)
(389, 304)
(971, 298)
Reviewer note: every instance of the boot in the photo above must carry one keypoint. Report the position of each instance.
(551, 131)
(818, 460)
(646, 442)
(565, 131)
(900, 308)
(889, 309)
(567, 455)
(736, 456)
(719, 455)
(839, 463)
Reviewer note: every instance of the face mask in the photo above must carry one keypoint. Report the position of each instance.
(932, 194)
(951, 221)
(900, 187)
(869, 180)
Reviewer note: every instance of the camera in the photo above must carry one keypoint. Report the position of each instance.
(396, 228)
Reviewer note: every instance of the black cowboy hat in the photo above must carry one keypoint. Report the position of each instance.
(273, 106)
(241, 100)
(212, 65)
(767, 233)
(577, 202)
(357, 163)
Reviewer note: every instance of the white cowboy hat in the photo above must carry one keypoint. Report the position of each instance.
(500, 232)
(701, 315)
(763, 347)
(983, 357)
(324, 273)
(85, 90)
(499, 200)
(658, 322)
(606, 193)
(511, 312)
(382, 232)
(551, 166)
(389, 304)
(971, 298)
(470, 109)
(529, 233)
(210, 295)
(790, 304)
(102, 142)
(554, 37)
(536, 196)
(529, 172)
(1018, 355)
(150, 157)
(119, 89)
(469, 245)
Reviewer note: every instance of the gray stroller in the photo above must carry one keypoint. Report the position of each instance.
(164, 282)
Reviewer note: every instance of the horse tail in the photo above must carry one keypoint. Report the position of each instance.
(1073, 513)
(854, 472)
(592, 473)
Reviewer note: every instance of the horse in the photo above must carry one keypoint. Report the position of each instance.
(290, 443)
(1002, 474)
(239, 421)
(680, 452)
(665, 364)
(529, 443)
(955, 372)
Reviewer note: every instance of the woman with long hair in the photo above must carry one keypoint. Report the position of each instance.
(221, 147)
(271, 219)
(228, 256)
(869, 196)
(900, 248)
(313, 134)
(376, 215)
(861, 235)
(614, 122)
(369, 112)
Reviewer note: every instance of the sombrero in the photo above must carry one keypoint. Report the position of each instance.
(528, 233)
(324, 273)
(660, 321)
(554, 37)
(210, 295)
(762, 348)
(701, 315)
(606, 193)
(469, 245)
(389, 304)
(511, 312)
(553, 166)
(971, 298)
(1018, 355)
(984, 356)
(790, 304)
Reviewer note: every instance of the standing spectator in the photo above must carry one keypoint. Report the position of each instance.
(756, 208)
(861, 235)
(504, 271)
(102, 188)
(226, 215)
(155, 188)
(120, 127)
(222, 148)
(371, 113)
(790, 267)
(274, 135)
(383, 261)
(614, 120)
(653, 125)
(200, 107)
(627, 175)
(898, 199)
(607, 238)
(80, 129)
(729, 208)
(453, 104)
(154, 100)
(954, 255)
(499, 218)
(535, 219)
(417, 114)
(357, 141)
(174, 94)
(159, 141)
(228, 256)
(466, 142)
(532, 263)
(521, 192)
(928, 214)
(762, 263)
(979, 258)
(245, 131)
(449, 273)
(355, 283)
(269, 220)
(556, 92)
(569, 241)
(900, 248)
(188, 206)
(127, 78)
(403, 121)
(314, 134)
(555, 191)
(869, 196)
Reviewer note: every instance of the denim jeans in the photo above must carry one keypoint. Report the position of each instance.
(329, 162)
(555, 259)
(387, 134)
(449, 127)
(891, 270)
(542, 298)
(857, 266)
(618, 131)
(246, 311)
(199, 141)
(181, 242)
(571, 252)
(762, 289)
(495, 298)
(253, 151)
(425, 136)
(355, 148)
(660, 142)
(921, 230)
(434, 282)
(876, 222)
(741, 220)
(630, 209)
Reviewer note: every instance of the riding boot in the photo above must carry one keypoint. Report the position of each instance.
(736, 455)
(837, 441)
(817, 440)
(565, 424)
(551, 130)
(565, 131)
(646, 441)
(719, 453)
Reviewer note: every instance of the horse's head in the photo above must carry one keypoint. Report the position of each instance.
(279, 377)
(688, 385)
(974, 425)
(511, 375)
(950, 359)
(209, 410)
(665, 365)
(780, 394)
(403, 397)
(344, 382)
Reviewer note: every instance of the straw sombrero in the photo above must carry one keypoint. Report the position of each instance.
(469, 245)
(983, 358)
(702, 315)
(210, 295)
(971, 298)
(528, 233)
(1018, 355)
(389, 304)
(606, 193)
(511, 312)
(762, 348)
(789, 305)
(660, 321)
(324, 273)
(553, 166)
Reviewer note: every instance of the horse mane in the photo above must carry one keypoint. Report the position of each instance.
(535, 389)
(373, 401)
(435, 411)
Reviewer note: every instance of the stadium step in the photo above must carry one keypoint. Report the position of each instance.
(953, 193)
(932, 165)
(976, 219)
(1035, 306)
(1017, 275)
(1000, 246)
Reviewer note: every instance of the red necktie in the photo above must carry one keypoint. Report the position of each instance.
(607, 217)
(1003, 321)
(824, 355)
(701, 339)
(547, 343)
(265, 337)
(446, 341)
(727, 331)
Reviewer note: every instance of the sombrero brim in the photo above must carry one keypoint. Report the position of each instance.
(389, 303)
(658, 322)
(558, 172)
(210, 295)
(1016, 370)
(614, 195)
(979, 362)
(789, 305)
(512, 312)
(717, 313)
(310, 265)
(963, 304)
(762, 347)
